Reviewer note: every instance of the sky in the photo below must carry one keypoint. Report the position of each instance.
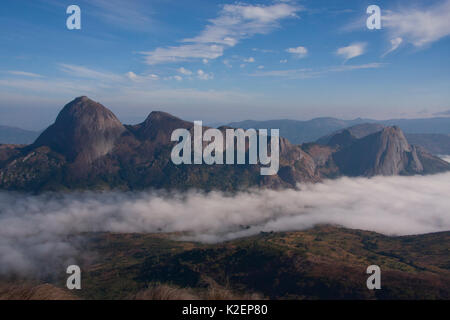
(223, 61)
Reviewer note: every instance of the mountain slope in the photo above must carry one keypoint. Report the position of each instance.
(325, 262)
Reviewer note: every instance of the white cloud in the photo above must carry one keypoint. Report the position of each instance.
(283, 60)
(131, 75)
(203, 75)
(178, 78)
(24, 74)
(249, 60)
(234, 23)
(139, 78)
(352, 51)
(35, 231)
(419, 26)
(261, 67)
(395, 43)
(298, 52)
(185, 71)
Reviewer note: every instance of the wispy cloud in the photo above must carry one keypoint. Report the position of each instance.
(395, 44)
(234, 23)
(126, 14)
(352, 51)
(307, 73)
(24, 74)
(419, 26)
(84, 72)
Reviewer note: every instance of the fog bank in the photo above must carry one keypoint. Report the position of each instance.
(34, 229)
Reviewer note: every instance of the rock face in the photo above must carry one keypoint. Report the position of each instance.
(88, 148)
(383, 153)
(83, 131)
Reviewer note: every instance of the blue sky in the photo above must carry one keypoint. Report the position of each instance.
(220, 61)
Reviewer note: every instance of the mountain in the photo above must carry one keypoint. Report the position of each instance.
(386, 152)
(12, 135)
(437, 144)
(307, 131)
(88, 148)
(83, 131)
(372, 149)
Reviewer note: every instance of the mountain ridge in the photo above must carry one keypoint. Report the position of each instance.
(88, 148)
(304, 131)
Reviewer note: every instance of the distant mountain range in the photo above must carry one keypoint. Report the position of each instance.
(12, 135)
(433, 133)
(88, 148)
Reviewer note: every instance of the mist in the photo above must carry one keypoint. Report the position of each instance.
(38, 230)
(445, 158)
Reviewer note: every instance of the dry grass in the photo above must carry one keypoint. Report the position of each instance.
(34, 292)
(213, 291)
(165, 292)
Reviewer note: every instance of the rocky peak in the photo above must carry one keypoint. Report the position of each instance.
(159, 126)
(83, 131)
(386, 152)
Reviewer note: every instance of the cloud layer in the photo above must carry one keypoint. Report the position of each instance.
(34, 230)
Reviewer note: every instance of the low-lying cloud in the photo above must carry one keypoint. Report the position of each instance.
(35, 230)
